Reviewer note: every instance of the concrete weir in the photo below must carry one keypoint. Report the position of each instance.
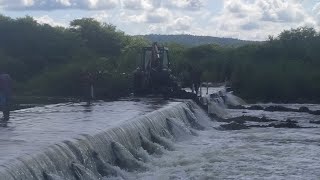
(113, 152)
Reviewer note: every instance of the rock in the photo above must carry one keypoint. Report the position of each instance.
(233, 126)
(315, 122)
(243, 119)
(255, 107)
(303, 109)
(236, 107)
(287, 124)
(278, 108)
(317, 112)
(265, 119)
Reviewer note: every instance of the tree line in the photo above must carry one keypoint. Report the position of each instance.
(285, 68)
(50, 61)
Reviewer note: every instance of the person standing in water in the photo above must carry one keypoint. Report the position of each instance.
(87, 79)
(5, 94)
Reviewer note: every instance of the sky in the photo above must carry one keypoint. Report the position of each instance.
(242, 19)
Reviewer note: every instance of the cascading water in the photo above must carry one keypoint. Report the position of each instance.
(180, 141)
(218, 101)
(113, 152)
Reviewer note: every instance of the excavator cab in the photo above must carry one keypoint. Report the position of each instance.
(153, 76)
(155, 58)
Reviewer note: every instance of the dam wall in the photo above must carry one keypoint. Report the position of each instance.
(113, 152)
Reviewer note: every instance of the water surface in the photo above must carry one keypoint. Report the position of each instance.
(30, 130)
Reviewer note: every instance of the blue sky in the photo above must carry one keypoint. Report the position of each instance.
(243, 19)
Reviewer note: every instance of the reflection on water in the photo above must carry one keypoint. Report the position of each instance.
(31, 129)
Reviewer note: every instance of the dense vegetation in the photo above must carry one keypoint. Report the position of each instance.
(284, 68)
(51, 61)
(192, 40)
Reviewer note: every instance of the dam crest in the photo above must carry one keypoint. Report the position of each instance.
(115, 151)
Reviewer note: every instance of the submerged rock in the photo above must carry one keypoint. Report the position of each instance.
(315, 122)
(278, 108)
(317, 112)
(255, 107)
(243, 119)
(233, 126)
(287, 124)
(237, 107)
(303, 109)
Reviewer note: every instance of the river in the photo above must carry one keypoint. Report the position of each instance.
(214, 153)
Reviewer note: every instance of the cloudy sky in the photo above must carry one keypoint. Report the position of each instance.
(243, 19)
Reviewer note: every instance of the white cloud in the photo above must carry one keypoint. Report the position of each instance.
(245, 19)
(101, 16)
(156, 16)
(316, 12)
(66, 3)
(256, 19)
(48, 20)
(58, 4)
(193, 5)
(132, 18)
(250, 26)
(180, 25)
(138, 4)
(28, 2)
(160, 15)
(133, 4)
(284, 11)
(316, 8)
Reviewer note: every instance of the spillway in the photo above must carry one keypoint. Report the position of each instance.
(120, 148)
(162, 140)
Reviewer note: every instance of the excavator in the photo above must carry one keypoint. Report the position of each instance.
(154, 77)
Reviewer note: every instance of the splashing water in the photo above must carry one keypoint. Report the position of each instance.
(178, 141)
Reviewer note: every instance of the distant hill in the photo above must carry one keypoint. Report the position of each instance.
(192, 40)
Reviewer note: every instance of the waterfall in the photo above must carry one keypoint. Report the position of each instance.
(218, 101)
(234, 100)
(113, 152)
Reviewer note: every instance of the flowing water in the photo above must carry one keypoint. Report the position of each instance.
(157, 140)
(32, 129)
